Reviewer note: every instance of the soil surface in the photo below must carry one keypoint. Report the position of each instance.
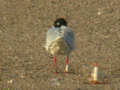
(24, 63)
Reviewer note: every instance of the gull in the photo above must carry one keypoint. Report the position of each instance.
(60, 41)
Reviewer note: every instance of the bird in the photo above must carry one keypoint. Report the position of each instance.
(60, 41)
(97, 76)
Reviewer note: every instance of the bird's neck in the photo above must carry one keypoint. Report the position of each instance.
(63, 27)
(58, 28)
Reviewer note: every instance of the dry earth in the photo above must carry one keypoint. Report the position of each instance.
(24, 64)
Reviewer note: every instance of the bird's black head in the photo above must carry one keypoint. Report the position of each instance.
(60, 22)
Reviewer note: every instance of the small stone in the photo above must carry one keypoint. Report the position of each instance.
(99, 13)
(10, 81)
(22, 76)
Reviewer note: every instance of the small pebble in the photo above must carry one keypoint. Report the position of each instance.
(99, 13)
(10, 81)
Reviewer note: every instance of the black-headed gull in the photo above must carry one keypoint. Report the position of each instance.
(60, 40)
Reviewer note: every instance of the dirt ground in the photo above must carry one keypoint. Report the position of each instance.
(25, 65)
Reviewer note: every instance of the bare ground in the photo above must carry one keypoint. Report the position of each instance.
(24, 64)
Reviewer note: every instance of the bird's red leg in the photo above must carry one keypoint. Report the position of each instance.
(67, 63)
(67, 60)
(55, 64)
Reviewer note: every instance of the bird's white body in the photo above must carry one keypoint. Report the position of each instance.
(60, 40)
